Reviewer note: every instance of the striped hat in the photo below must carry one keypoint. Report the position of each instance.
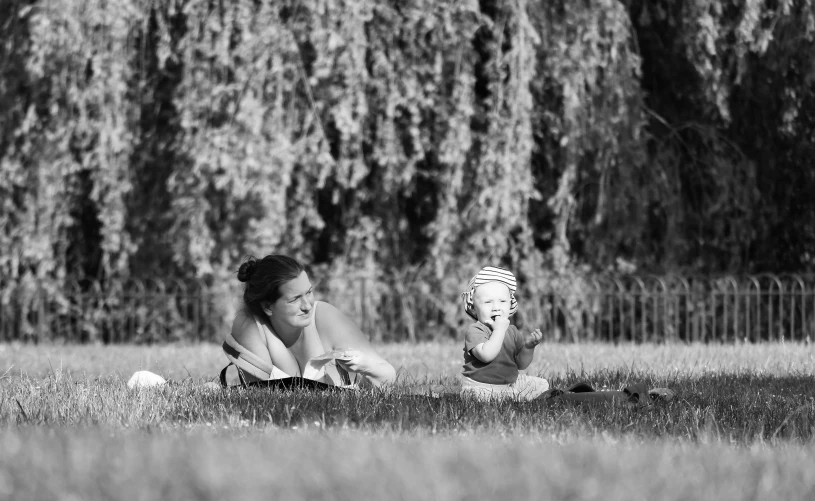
(490, 274)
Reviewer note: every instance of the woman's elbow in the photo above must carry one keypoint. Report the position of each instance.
(385, 374)
(390, 373)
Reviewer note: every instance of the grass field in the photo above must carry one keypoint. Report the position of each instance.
(741, 427)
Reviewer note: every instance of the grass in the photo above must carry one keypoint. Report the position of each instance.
(436, 361)
(742, 427)
(202, 465)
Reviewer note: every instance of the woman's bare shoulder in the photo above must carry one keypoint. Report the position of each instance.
(329, 317)
(327, 311)
(245, 332)
(336, 327)
(244, 328)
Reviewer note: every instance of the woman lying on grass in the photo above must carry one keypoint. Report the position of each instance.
(282, 330)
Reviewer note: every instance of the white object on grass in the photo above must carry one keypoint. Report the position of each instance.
(142, 379)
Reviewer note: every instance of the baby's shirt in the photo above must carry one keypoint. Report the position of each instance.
(502, 369)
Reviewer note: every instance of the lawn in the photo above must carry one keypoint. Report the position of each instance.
(741, 427)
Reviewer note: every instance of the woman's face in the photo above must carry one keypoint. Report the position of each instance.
(293, 308)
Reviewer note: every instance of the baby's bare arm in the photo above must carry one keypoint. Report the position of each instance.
(489, 349)
(524, 357)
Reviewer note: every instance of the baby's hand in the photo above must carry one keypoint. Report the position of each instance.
(533, 339)
(499, 322)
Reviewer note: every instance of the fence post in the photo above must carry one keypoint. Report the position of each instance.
(363, 308)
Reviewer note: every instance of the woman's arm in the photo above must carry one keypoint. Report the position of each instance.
(338, 331)
(245, 332)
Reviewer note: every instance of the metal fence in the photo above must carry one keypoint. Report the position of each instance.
(684, 308)
(149, 311)
(600, 308)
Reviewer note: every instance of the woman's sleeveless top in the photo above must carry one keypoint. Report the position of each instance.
(308, 345)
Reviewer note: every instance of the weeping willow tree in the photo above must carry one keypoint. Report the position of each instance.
(67, 138)
(407, 142)
(729, 173)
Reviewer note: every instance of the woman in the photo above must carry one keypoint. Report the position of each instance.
(282, 327)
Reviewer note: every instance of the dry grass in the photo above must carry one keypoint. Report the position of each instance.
(203, 465)
(742, 428)
(435, 361)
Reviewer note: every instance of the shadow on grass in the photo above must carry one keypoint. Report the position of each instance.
(739, 409)
(733, 408)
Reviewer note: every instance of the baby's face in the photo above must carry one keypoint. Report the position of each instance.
(491, 299)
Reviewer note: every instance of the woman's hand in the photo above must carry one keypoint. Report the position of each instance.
(374, 368)
(337, 330)
(351, 360)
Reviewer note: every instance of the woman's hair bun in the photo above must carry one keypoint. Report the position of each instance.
(246, 270)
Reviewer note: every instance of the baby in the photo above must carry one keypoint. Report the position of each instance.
(494, 350)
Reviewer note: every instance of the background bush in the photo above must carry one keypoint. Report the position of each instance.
(405, 142)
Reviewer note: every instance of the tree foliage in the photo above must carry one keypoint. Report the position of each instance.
(407, 141)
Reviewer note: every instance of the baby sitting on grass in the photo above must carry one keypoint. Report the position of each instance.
(495, 350)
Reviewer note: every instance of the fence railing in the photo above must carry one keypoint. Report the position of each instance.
(684, 308)
(601, 308)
